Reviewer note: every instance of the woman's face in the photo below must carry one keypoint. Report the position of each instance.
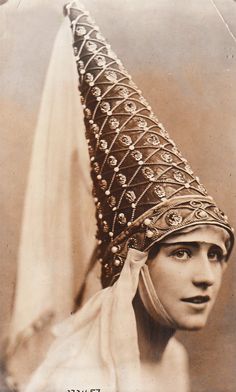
(187, 273)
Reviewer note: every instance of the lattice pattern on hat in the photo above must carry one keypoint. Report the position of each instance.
(135, 165)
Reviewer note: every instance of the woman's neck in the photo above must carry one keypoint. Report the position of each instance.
(152, 336)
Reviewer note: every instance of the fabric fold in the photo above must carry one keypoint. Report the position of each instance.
(91, 346)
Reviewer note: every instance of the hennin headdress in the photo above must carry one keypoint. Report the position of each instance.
(143, 188)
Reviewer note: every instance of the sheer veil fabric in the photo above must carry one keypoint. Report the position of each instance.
(98, 346)
(52, 260)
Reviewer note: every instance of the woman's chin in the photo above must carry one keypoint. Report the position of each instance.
(192, 324)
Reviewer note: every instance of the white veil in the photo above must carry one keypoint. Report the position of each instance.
(58, 226)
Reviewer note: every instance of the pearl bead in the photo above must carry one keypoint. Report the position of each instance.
(99, 177)
(107, 192)
(100, 216)
(117, 262)
(129, 224)
(133, 205)
(114, 249)
(149, 234)
(147, 221)
(116, 169)
(131, 147)
(111, 234)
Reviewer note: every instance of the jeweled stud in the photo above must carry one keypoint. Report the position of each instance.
(114, 249)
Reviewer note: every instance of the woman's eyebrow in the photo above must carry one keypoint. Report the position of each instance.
(193, 244)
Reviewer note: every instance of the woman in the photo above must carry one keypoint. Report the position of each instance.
(162, 242)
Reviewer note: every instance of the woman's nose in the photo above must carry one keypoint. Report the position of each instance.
(203, 275)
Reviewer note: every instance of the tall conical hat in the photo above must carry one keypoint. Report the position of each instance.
(144, 189)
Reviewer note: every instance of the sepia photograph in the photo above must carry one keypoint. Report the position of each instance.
(118, 195)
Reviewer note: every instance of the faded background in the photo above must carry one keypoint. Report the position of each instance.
(182, 54)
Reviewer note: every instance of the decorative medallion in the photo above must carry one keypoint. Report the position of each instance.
(111, 76)
(100, 60)
(105, 107)
(113, 123)
(173, 218)
(121, 179)
(167, 157)
(123, 92)
(88, 77)
(103, 145)
(179, 176)
(91, 46)
(141, 122)
(103, 184)
(111, 201)
(148, 172)
(125, 140)
(153, 139)
(130, 107)
(130, 196)
(80, 30)
(159, 191)
(112, 161)
(121, 218)
(96, 91)
(94, 128)
(137, 155)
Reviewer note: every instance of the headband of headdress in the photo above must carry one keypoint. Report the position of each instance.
(144, 189)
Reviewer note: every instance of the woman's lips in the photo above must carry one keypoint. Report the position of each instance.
(198, 299)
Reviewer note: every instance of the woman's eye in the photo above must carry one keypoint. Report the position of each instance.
(215, 255)
(181, 254)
